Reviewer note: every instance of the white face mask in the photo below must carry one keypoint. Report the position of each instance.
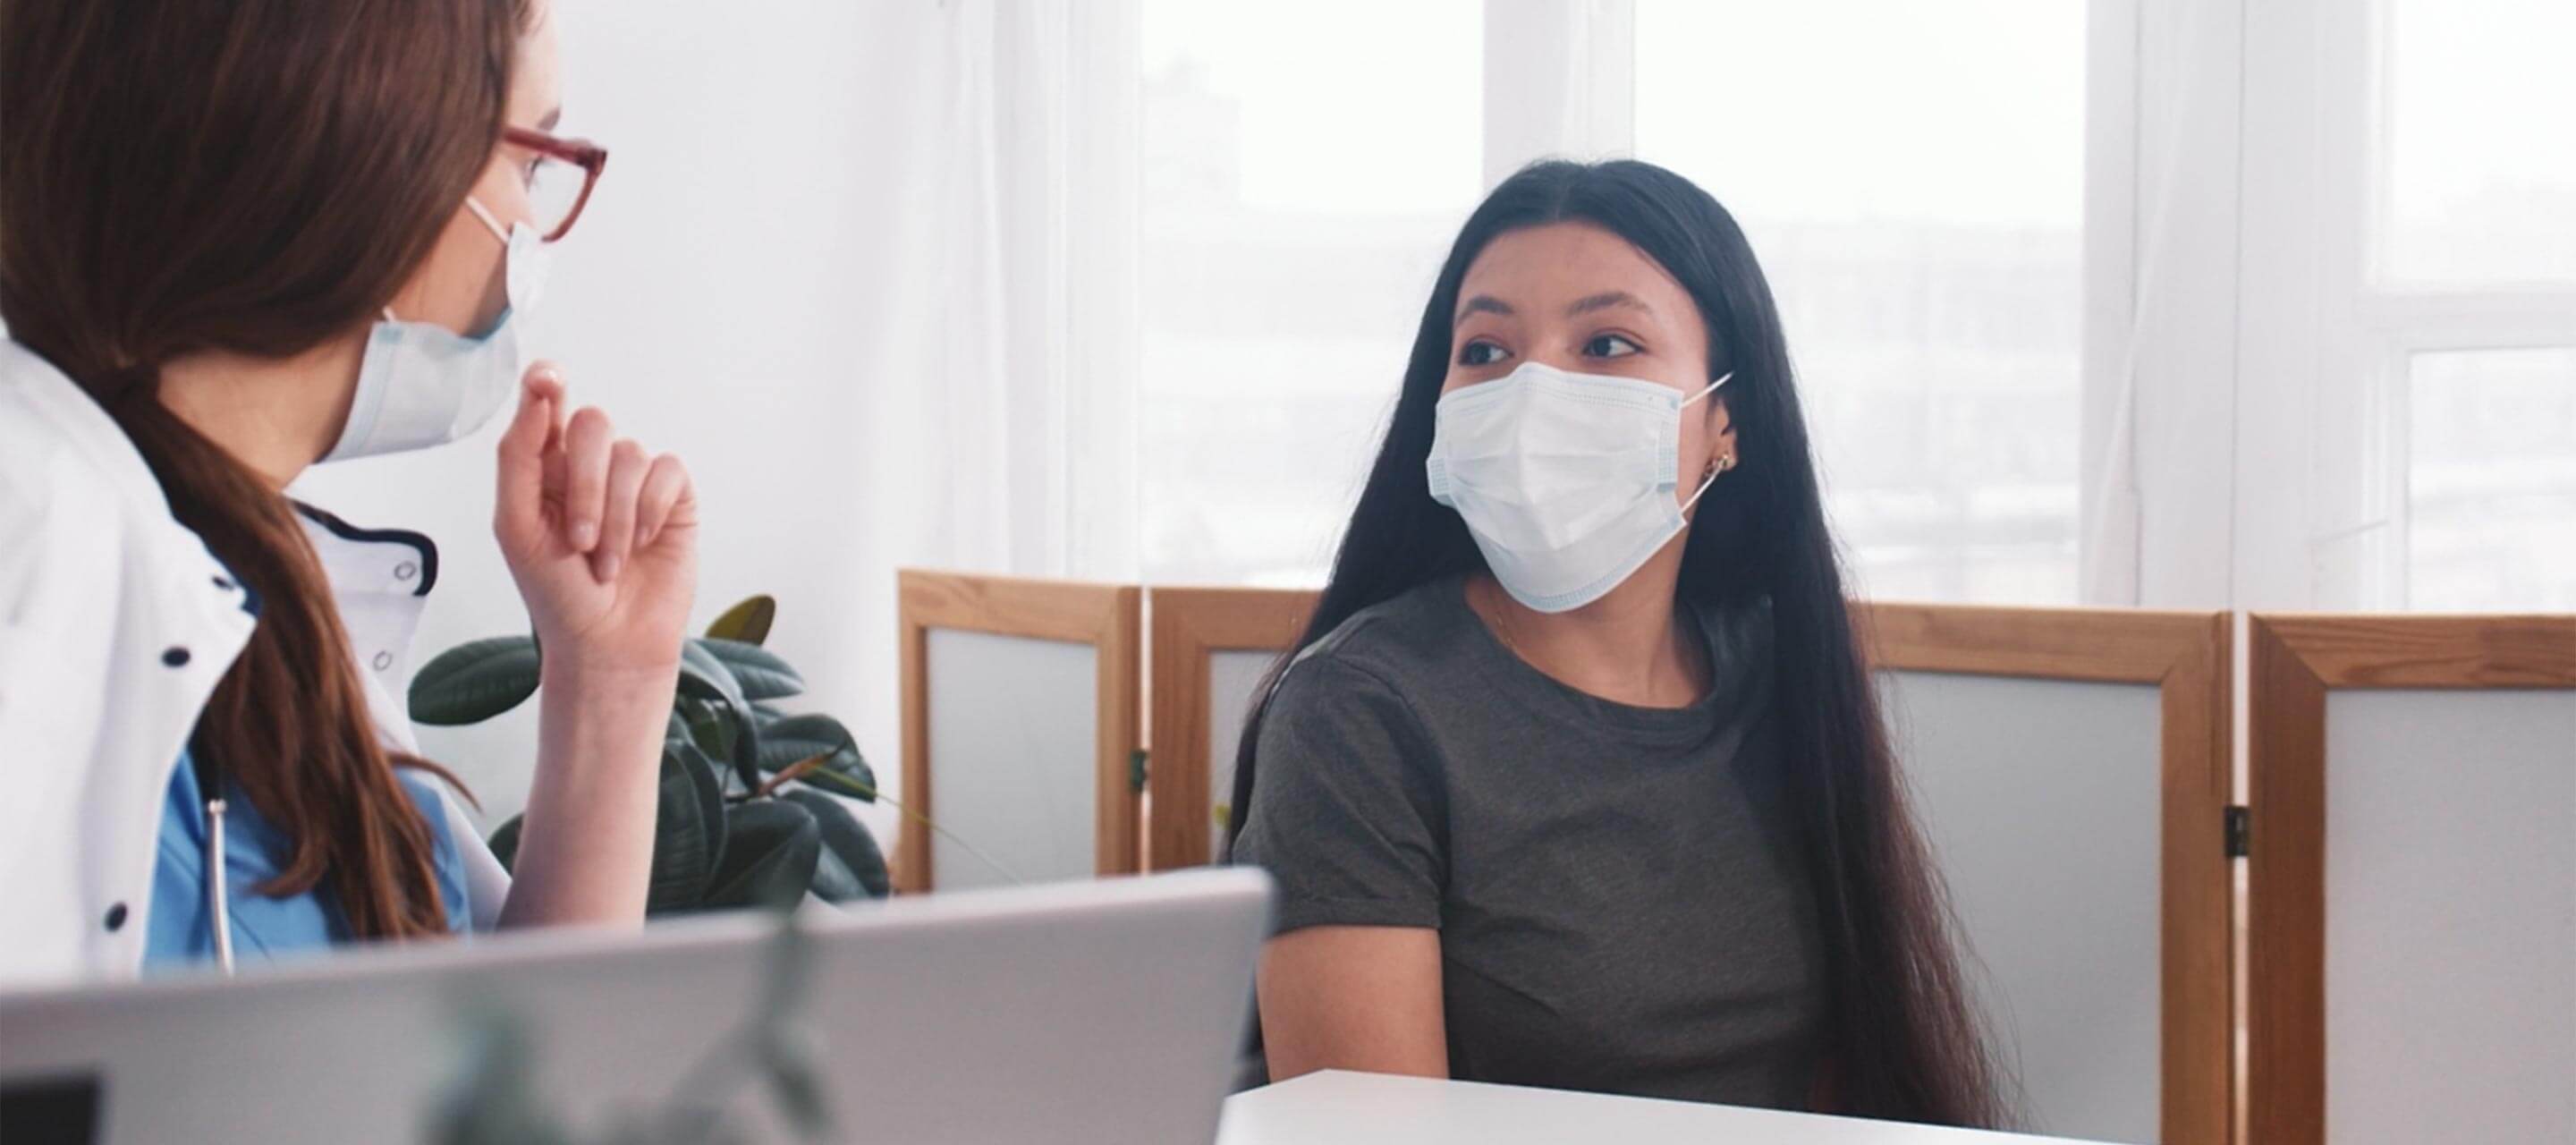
(1566, 481)
(423, 384)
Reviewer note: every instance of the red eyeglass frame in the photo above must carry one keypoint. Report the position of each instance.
(590, 157)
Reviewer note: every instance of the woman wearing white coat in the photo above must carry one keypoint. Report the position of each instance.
(237, 239)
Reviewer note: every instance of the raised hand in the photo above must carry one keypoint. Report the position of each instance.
(601, 537)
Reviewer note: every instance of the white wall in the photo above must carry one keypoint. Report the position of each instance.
(730, 296)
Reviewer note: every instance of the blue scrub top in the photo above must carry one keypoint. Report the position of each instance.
(181, 934)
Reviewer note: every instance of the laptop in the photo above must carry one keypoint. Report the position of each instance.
(1106, 1011)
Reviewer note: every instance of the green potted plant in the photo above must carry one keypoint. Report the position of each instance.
(749, 814)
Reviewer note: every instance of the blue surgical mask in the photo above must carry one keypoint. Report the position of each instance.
(422, 384)
(1568, 482)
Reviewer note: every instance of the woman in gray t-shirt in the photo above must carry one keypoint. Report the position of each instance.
(1576, 778)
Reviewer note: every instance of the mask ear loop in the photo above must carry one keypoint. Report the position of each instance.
(1712, 388)
(1713, 470)
(494, 226)
(489, 223)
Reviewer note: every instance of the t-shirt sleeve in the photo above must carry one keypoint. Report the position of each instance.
(1346, 814)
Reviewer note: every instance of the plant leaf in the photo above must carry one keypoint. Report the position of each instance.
(771, 849)
(833, 882)
(791, 740)
(747, 622)
(705, 677)
(848, 841)
(706, 726)
(760, 673)
(505, 843)
(689, 830)
(786, 740)
(475, 681)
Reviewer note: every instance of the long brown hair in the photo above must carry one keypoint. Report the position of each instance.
(1903, 1039)
(253, 176)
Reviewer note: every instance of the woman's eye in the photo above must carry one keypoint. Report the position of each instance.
(1479, 353)
(1609, 346)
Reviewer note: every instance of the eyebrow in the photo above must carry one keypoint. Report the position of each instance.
(1484, 303)
(1606, 300)
(551, 119)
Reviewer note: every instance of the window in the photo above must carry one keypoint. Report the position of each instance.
(2339, 241)
(1304, 169)
(2478, 151)
(2491, 489)
(2470, 314)
(1912, 178)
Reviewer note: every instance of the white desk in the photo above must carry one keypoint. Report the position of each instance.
(1335, 1108)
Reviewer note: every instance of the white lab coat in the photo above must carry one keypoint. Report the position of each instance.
(115, 624)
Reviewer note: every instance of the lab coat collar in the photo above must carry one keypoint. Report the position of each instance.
(380, 580)
(395, 561)
(81, 422)
(164, 553)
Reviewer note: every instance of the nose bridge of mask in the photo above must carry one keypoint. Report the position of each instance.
(1542, 459)
(1539, 417)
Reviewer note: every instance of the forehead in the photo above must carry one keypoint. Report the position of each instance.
(536, 86)
(1545, 266)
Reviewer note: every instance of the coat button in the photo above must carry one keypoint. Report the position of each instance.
(175, 657)
(406, 571)
(384, 660)
(116, 918)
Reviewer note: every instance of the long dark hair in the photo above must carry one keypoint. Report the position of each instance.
(1903, 1041)
(255, 176)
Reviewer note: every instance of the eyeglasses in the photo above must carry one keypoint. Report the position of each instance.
(559, 182)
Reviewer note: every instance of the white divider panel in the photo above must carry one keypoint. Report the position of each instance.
(2450, 939)
(1233, 678)
(2042, 801)
(1014, 735)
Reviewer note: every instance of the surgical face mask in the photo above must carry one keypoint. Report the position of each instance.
(1567, 481)
(422, 384)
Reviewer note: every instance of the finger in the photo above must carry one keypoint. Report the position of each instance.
(627, 465)
(585, 477)
(520, 485)
(667, 490)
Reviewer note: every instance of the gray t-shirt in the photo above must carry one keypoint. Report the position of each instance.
(1621, 900)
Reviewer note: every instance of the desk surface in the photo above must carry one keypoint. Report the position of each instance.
(1367, 1109)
